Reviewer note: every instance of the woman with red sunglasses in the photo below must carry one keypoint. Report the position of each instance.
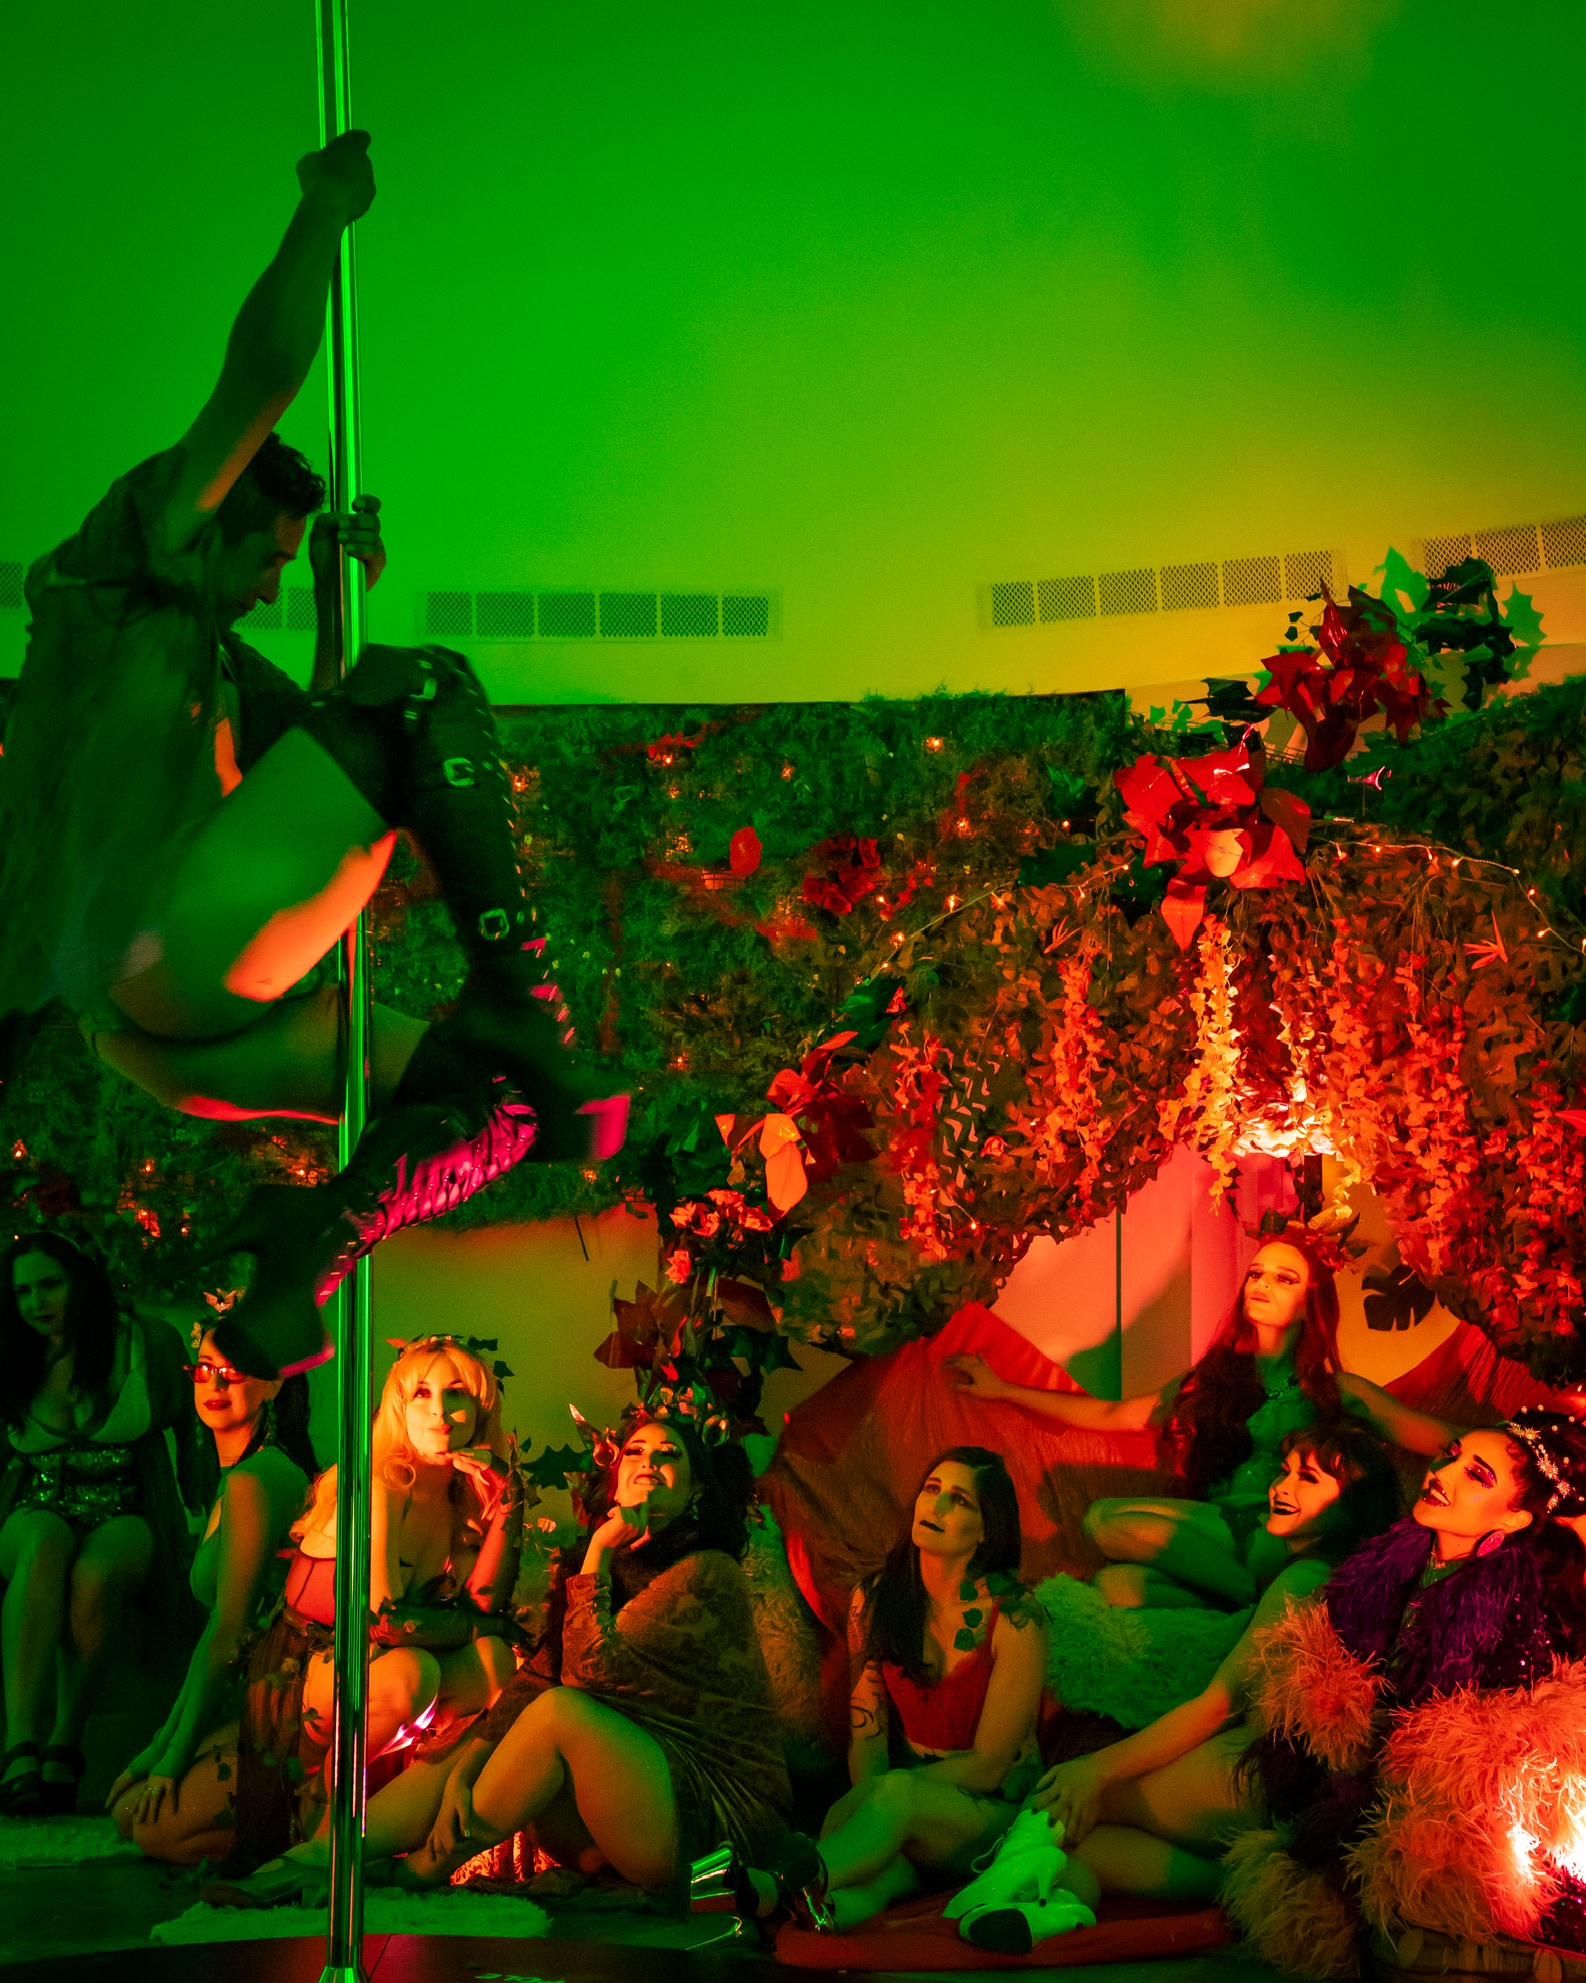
(172, 1798)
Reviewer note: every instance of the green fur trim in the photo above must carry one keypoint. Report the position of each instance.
(1131, 1664)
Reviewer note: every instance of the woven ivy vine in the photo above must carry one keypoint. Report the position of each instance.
(922, 936)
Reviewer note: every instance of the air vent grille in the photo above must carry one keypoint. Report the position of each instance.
(602, 615)
(1172, 589)
(1512, 550)
(1126, 591)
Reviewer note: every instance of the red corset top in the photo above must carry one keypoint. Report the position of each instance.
(944, 1714)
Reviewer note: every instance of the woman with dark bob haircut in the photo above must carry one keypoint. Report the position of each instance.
(90, 1515)
(948, 1657)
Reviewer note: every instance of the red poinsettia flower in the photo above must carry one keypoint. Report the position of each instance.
(1214, 818)
(1359, 665)
(852, 871)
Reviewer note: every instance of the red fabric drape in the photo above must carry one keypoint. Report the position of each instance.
(852, 1455)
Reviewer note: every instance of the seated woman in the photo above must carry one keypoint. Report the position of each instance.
(1420, 1737)
(90, 1516)
(169, 1799)
(1404, 1772)
(440, 1576)
(641, 1730)
(1271, 1369)
(949, 1658)
(1149, 1814)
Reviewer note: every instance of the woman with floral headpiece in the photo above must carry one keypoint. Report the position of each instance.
(1271, 1369)
(172, 1796)
(442, 1562)
(90, 1515)
(641, 1731)
(1425, 1739)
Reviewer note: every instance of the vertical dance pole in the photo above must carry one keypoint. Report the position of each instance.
(344, 1942)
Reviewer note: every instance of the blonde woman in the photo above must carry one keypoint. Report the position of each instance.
(441, 1570)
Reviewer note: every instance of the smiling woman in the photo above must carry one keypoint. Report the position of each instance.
(173, 1798)
(1272, 1369)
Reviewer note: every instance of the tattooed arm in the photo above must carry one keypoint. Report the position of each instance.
(867, 1702)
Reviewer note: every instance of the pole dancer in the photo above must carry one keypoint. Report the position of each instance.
(184, 833)
(354, 1430)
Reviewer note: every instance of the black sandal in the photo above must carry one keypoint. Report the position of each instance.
(60, 1799)
(22, 1796)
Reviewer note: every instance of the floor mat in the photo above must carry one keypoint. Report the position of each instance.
(914, 1936)
(60, 1842)
(384, 1913)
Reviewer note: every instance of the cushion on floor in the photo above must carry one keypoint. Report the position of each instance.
(915, 1936)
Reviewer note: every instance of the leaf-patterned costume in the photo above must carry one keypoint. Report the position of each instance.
(680, 1660)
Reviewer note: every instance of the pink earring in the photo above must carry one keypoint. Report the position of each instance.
(1493, 1539)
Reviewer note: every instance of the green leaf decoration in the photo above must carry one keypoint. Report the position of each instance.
(968, 1591)
(555, 1464)
(1054, 864)
(964, 1641)
(974, 1619)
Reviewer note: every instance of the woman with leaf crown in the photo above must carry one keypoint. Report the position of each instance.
(641, 1730)
(1272, 1369)
(445, 1530)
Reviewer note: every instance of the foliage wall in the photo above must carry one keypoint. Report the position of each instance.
(953, 884)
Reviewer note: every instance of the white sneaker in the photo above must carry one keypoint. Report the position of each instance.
(1027, 1862)
(1014, 1927)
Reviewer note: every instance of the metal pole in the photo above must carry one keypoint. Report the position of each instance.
(344, 1942)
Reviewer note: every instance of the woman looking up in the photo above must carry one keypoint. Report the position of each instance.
(170, 1797)
(642, 1730)
(89, 1511)
(1272, 1369)
(949, 1659)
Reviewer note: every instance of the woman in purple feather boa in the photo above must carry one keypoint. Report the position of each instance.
(1407, 1709)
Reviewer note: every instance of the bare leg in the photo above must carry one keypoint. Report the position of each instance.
(264, 889)
(1187, 1541)
(471, 1677)
(1193, 1802)
(36, 1550)
(931, 1823)
(617, 1774)
(1122, 1860)
(111, 1568)
(896, 1881)
(287, 1063)
(402, 1684)
(199, 1827)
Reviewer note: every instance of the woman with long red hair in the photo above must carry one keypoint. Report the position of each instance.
(1271, 1369)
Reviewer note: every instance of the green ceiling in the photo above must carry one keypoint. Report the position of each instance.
(870, 303)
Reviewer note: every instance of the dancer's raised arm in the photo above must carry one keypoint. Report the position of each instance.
(973, 1373)
(274, 339)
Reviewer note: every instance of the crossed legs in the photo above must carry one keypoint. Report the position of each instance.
(878, 1835)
